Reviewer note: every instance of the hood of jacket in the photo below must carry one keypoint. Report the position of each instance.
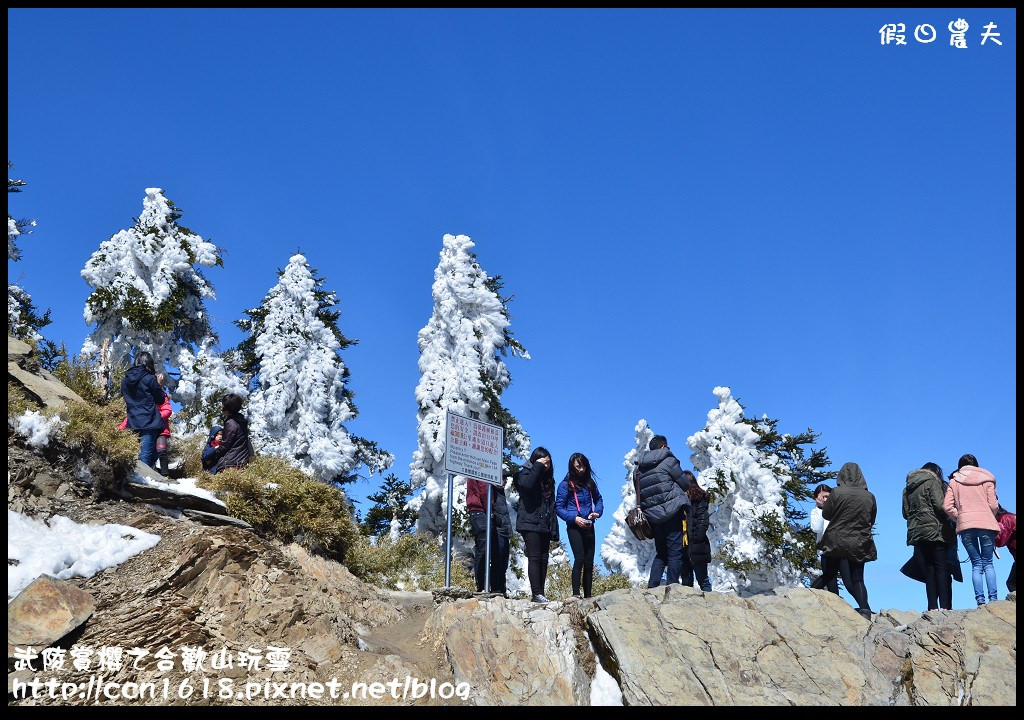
(650, 458)
(917, 478)
(213, 432)
(970, 475)
(851, 476)
(135, 374)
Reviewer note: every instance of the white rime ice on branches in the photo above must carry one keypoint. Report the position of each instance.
(747, 487)
(460, 371)
(301, 403)
(621, 551)
(149, 295)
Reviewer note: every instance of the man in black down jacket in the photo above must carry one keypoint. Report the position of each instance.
(661, 494)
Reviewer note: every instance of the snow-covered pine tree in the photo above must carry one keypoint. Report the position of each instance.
(23, 318)
(804, 470)
(15, 227)
(621, 551)
(747, 486)
(300, 400)
(149, 294)
(462, 371)
(389, 514)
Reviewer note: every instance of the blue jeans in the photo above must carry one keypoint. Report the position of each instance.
(979, 545)
(147, 448)
(668, 549)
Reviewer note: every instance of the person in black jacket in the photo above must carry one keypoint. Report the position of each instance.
(235, 449)
(143, 397)
(698, 547)
(536, 520)
(661, 494)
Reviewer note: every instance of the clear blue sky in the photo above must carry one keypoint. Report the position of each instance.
(769, 200)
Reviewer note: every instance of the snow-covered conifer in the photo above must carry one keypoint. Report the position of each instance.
(23, 319)
(149, 293)
(15, 227)
(621, 551)
(300, 401)
(462, 371)
(746, 489)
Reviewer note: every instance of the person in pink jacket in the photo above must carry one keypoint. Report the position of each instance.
(971, 501)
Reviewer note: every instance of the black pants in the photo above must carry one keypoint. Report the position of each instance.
(538, 549)
(687, 569)
(1011, 581)
(582, 542)
(499, 553)
(668, 549)
(820, 583)
(853, 578)
(931, 557)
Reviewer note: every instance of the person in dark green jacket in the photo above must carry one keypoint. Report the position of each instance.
(850, 511)
(929, 534)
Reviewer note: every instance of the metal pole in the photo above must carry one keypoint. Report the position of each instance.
(448, 543)
(487, 555)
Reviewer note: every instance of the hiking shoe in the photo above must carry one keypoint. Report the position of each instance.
(540, 599)
(865, 613)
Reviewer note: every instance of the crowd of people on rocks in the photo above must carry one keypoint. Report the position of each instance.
(937, 510)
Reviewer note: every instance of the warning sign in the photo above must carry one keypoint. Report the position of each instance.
(473, 448)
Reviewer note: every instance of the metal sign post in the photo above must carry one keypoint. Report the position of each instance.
(472, 449)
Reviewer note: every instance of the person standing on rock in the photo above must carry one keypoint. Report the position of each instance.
(536, 520)
(579, 503)
(971, 501)
(818, 525)
(661, 494)
(235, 449)
(929, 535)
(1007, 536)
(501, 531)
(143, 397)
(698, 547)
(850, 511)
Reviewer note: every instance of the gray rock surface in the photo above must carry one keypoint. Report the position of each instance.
(44, 612)
(678, 646)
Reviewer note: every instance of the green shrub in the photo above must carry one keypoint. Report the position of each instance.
(189, 451)
(77, 373)
(92, 432)
(413, 562)
(17, 402)
(296, 508)
(604, 583)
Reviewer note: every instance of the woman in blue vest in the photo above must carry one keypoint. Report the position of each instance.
(578, 502)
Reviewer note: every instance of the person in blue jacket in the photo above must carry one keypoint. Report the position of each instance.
(578, 502)
(143, 397)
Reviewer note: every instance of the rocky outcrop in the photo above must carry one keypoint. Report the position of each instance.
(678, 646)
(44, 612)
(515, 652)
(38, 384)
